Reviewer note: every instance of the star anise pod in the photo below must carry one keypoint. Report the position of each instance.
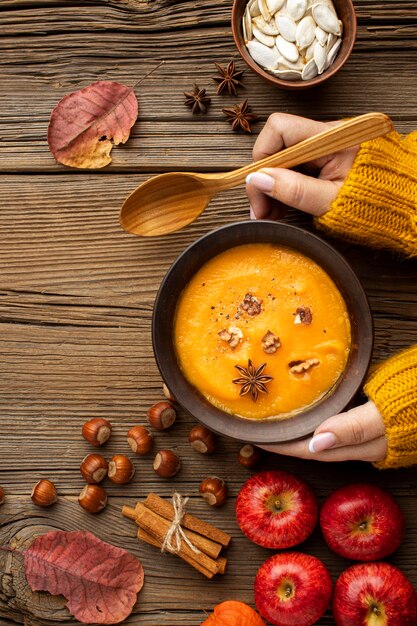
(252, 380)
(198, 100)
(229, 78)
(240, 117)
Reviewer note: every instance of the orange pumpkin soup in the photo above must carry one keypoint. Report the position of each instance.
(262, 304)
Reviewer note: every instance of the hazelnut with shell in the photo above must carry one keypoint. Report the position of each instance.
(44, 493)
(140, 439)
(121, 469)
(97, 431)
(166, 463)
(249, 455)
(214, 490)
(93, 468)
(92, 498)
(202, 439)
(161, 415)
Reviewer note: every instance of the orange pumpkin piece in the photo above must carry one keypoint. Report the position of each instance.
(233, 613)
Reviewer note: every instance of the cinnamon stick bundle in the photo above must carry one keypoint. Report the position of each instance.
(154, 518)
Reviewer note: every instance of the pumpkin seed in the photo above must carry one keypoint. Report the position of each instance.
(287, 49)
(269, 28)
(263, 7)
(320, 57)
(333, 53)
(321, 35)
(274, 5)
(254, 9)
(286, 26)
(267, 40)
(326, 19)
(264, 56)
(310, 70)
(306, 32)
(296, 9)
(247, 25)
(308, 53)
(287, 74)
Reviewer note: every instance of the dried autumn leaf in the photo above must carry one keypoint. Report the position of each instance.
(85, 124)
(99, 580)
(233, 613)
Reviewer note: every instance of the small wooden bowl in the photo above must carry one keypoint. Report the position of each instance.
(347, 15)
(269, 430)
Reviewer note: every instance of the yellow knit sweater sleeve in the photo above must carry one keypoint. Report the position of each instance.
(393, 388)
(377, 204)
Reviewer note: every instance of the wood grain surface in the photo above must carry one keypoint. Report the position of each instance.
(76, 292)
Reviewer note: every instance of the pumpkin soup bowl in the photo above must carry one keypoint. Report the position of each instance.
(274, 429)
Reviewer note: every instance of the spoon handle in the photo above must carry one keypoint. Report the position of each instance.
(347, 134)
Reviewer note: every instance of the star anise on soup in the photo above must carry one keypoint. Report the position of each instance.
(240, 117)
(253, 380)
(229, 78)
(198, 100)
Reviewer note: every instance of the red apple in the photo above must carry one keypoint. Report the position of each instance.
(292, 589)
(374, 594)
(362, 522)
(276, 509)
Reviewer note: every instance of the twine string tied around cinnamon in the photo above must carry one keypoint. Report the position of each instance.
(175, 534)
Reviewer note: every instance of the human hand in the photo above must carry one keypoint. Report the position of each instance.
(357, 435)
(272, 190)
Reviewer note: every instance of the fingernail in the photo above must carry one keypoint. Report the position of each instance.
(322, 441)
(252, 214)
(261, 181)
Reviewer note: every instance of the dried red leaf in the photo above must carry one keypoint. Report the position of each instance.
(85, 124)
(99, 580)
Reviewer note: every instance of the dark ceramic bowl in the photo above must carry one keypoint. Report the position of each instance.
(268, 430)
(347, 15)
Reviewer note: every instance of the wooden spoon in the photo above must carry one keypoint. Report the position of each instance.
(168, 202)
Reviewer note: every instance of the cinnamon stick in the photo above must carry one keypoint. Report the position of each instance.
(166, 510)
(201, 542)
(158, 527)
(147, 538)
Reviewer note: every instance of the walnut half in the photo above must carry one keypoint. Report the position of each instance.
(303, 315)
(270, 342)
(251, 305)
(299, 367)
(233, 336)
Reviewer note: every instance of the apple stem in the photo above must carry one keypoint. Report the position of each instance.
(288, 591)
(363, 526)
(277, 504)
(376, 611)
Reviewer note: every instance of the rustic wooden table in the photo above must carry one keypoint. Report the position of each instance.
(76, 292)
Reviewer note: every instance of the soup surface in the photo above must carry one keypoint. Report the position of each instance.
(262, 304)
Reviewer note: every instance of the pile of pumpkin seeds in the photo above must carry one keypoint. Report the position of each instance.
(292, 39)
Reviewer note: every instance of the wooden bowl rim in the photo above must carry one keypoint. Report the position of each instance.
(262, 231)
(342, 57)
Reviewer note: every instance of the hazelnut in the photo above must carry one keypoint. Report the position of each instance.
(140, 439)
(92, 498)
(44, 493)
(202, 439)
(121, 469)
(2, 495)
(97, 431)
(93, 468)
(214, 490)
(167, 393)
(166, 463)
(248, 455)
(162, 415)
